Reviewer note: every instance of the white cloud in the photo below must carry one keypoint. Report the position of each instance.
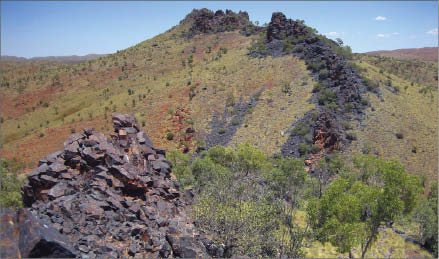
(387, 35)
(380, 18)
(383, 35)
(332, 33)
(432, 31)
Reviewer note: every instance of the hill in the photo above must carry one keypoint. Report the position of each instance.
(62, 59)
(426, 53)
(189, 86)
(217, 79)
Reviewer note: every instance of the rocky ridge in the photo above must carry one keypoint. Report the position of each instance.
(112, 197)
(337, 79)
(207, 21)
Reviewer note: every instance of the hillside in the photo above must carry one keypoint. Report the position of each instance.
(189, 87)
(426, 53)
(302, 100)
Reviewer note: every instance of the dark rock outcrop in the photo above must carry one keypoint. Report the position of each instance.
(23, 235)
(207, 21)
(337, 78)
(113, 197)
(280, 28)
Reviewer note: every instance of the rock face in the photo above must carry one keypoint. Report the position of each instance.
(206, 21)
(113, 197)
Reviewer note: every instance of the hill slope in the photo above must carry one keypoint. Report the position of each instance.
(194, 86)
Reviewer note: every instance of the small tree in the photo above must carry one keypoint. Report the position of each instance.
(427, 217)
(350, 213)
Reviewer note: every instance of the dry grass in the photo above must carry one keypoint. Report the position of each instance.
(410, 113)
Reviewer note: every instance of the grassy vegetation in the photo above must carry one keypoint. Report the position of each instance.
(399, 123)
(418, 72)
(89, 92)
(10, 195)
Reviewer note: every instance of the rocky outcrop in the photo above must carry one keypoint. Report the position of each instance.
(280, 28)
(341, 88)
(113, 197)
(207, 21)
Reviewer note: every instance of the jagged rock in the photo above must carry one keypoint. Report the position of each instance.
(206, 21)
(115, 197)
(24, 235)
(338, 77)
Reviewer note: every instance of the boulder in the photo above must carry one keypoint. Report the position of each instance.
(24, 235)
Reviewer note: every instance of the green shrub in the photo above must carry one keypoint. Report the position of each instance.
(230, 100)
(426, 215)
(348, 107)
(364, 101)
(314, 115)
(221, 131)
(314, 149)
(301, 129)
(10, 184)
(327, 96)
(317, 87)
(323, 74)
(170, 136)
(309, 138)
(286, 88)
(332, 106)
(346, 125)
(235, 122)
(351, 135)
(304, 149)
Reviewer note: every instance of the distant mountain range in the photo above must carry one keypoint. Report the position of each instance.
(426, 53)
(63, 59)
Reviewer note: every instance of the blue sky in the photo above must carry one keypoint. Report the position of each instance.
(31, 29)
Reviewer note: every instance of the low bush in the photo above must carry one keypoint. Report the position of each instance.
(300, 130)
(327, 96)
(10, 184)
